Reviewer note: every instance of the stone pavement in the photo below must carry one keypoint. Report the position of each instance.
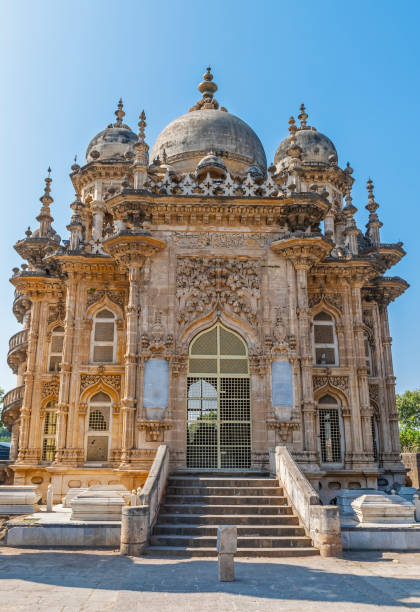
(102, 581)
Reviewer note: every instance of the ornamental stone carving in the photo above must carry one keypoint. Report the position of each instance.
(335, 299)
(219, 240)
(50, 387)
(112, 380)
(340, 382)
(96, 295)
(204, 284)
(56, 312)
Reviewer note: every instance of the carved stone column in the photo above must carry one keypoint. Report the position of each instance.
(362, 373)
(304, 252)
(66, 369)
(14, 442)
(25, 413)
(130, 251)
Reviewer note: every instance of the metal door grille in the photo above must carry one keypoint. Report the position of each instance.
(218, 402)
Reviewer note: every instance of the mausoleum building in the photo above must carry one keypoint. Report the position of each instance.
(208, 301)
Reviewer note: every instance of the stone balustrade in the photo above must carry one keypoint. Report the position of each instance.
(11, 404)
(18, 344)
(321, 523)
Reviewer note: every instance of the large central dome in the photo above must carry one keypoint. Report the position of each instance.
(206, 128)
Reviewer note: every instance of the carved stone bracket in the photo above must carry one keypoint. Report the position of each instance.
(179, 364)
(283, 427)
(154, 429)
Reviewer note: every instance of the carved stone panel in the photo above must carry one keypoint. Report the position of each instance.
(50, 387)
(87, 380)
(204, 284)
(340, 382)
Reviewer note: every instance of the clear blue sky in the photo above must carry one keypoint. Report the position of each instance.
(64, 64)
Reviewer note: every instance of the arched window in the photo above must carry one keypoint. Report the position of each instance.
(56, 348)
(330, 436)
(49, 431)
(324, 340)
(368, 355)
(103, 337)
(98, 428)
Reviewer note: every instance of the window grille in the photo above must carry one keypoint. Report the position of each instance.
(218, 402)
(324, 340)
(374, 428)
(48, 449)
(56, 348)
(104, 337)
(368, 355)
(329, 430)
(99, 424)
(49, 432)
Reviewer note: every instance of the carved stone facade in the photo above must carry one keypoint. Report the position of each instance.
(204, 236)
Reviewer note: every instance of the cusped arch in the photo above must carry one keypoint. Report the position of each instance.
(97, 387)
(207, 321)
(104, 302)
(335, 392)
(58, 323)
(324, 306)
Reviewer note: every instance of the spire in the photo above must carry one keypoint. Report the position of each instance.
(303, 115)
(142, 126)
(373, 226)
(294, 149)
(44, 216)
(207, 88)
(141, 159)
(351, 231)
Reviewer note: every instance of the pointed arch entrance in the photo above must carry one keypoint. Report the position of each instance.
(218, 401)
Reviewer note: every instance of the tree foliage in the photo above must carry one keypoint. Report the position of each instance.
(408, 405)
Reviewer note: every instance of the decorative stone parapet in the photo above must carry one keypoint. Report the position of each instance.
(383, 509)
(17, 499)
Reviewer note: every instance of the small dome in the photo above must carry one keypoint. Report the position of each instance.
(255, 172)
(316, 147)
(209, 128)
(113, 142)
(211, 164)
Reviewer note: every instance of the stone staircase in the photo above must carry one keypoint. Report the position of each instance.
(196, 504)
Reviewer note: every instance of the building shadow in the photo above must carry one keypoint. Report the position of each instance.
(274, 580)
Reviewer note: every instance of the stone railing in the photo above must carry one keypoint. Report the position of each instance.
(18, 340)
(137, 521)
(321, 523)
(12, 397)
(154, 487)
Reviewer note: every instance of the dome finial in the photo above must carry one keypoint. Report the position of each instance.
(120, 114)
(44, 216)
(207, 88)
(303, 115)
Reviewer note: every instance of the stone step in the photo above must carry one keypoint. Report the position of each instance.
(243, 541)
(247, 491)
(191, 529)
(224, 509)
(233, 519)
(185, 551)
(182, 481)
(229, 475)
(222, 500)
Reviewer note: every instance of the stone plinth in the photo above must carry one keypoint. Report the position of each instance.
(226, 548)
(346, 496)
(119, 489)
(390, 509)
(17, 499)
(71, 494)
(97, 506)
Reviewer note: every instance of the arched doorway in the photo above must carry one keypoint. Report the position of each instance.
(218, 401)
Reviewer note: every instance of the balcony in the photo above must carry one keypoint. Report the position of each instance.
(12, 402)
(18, 345)
(21, 304)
